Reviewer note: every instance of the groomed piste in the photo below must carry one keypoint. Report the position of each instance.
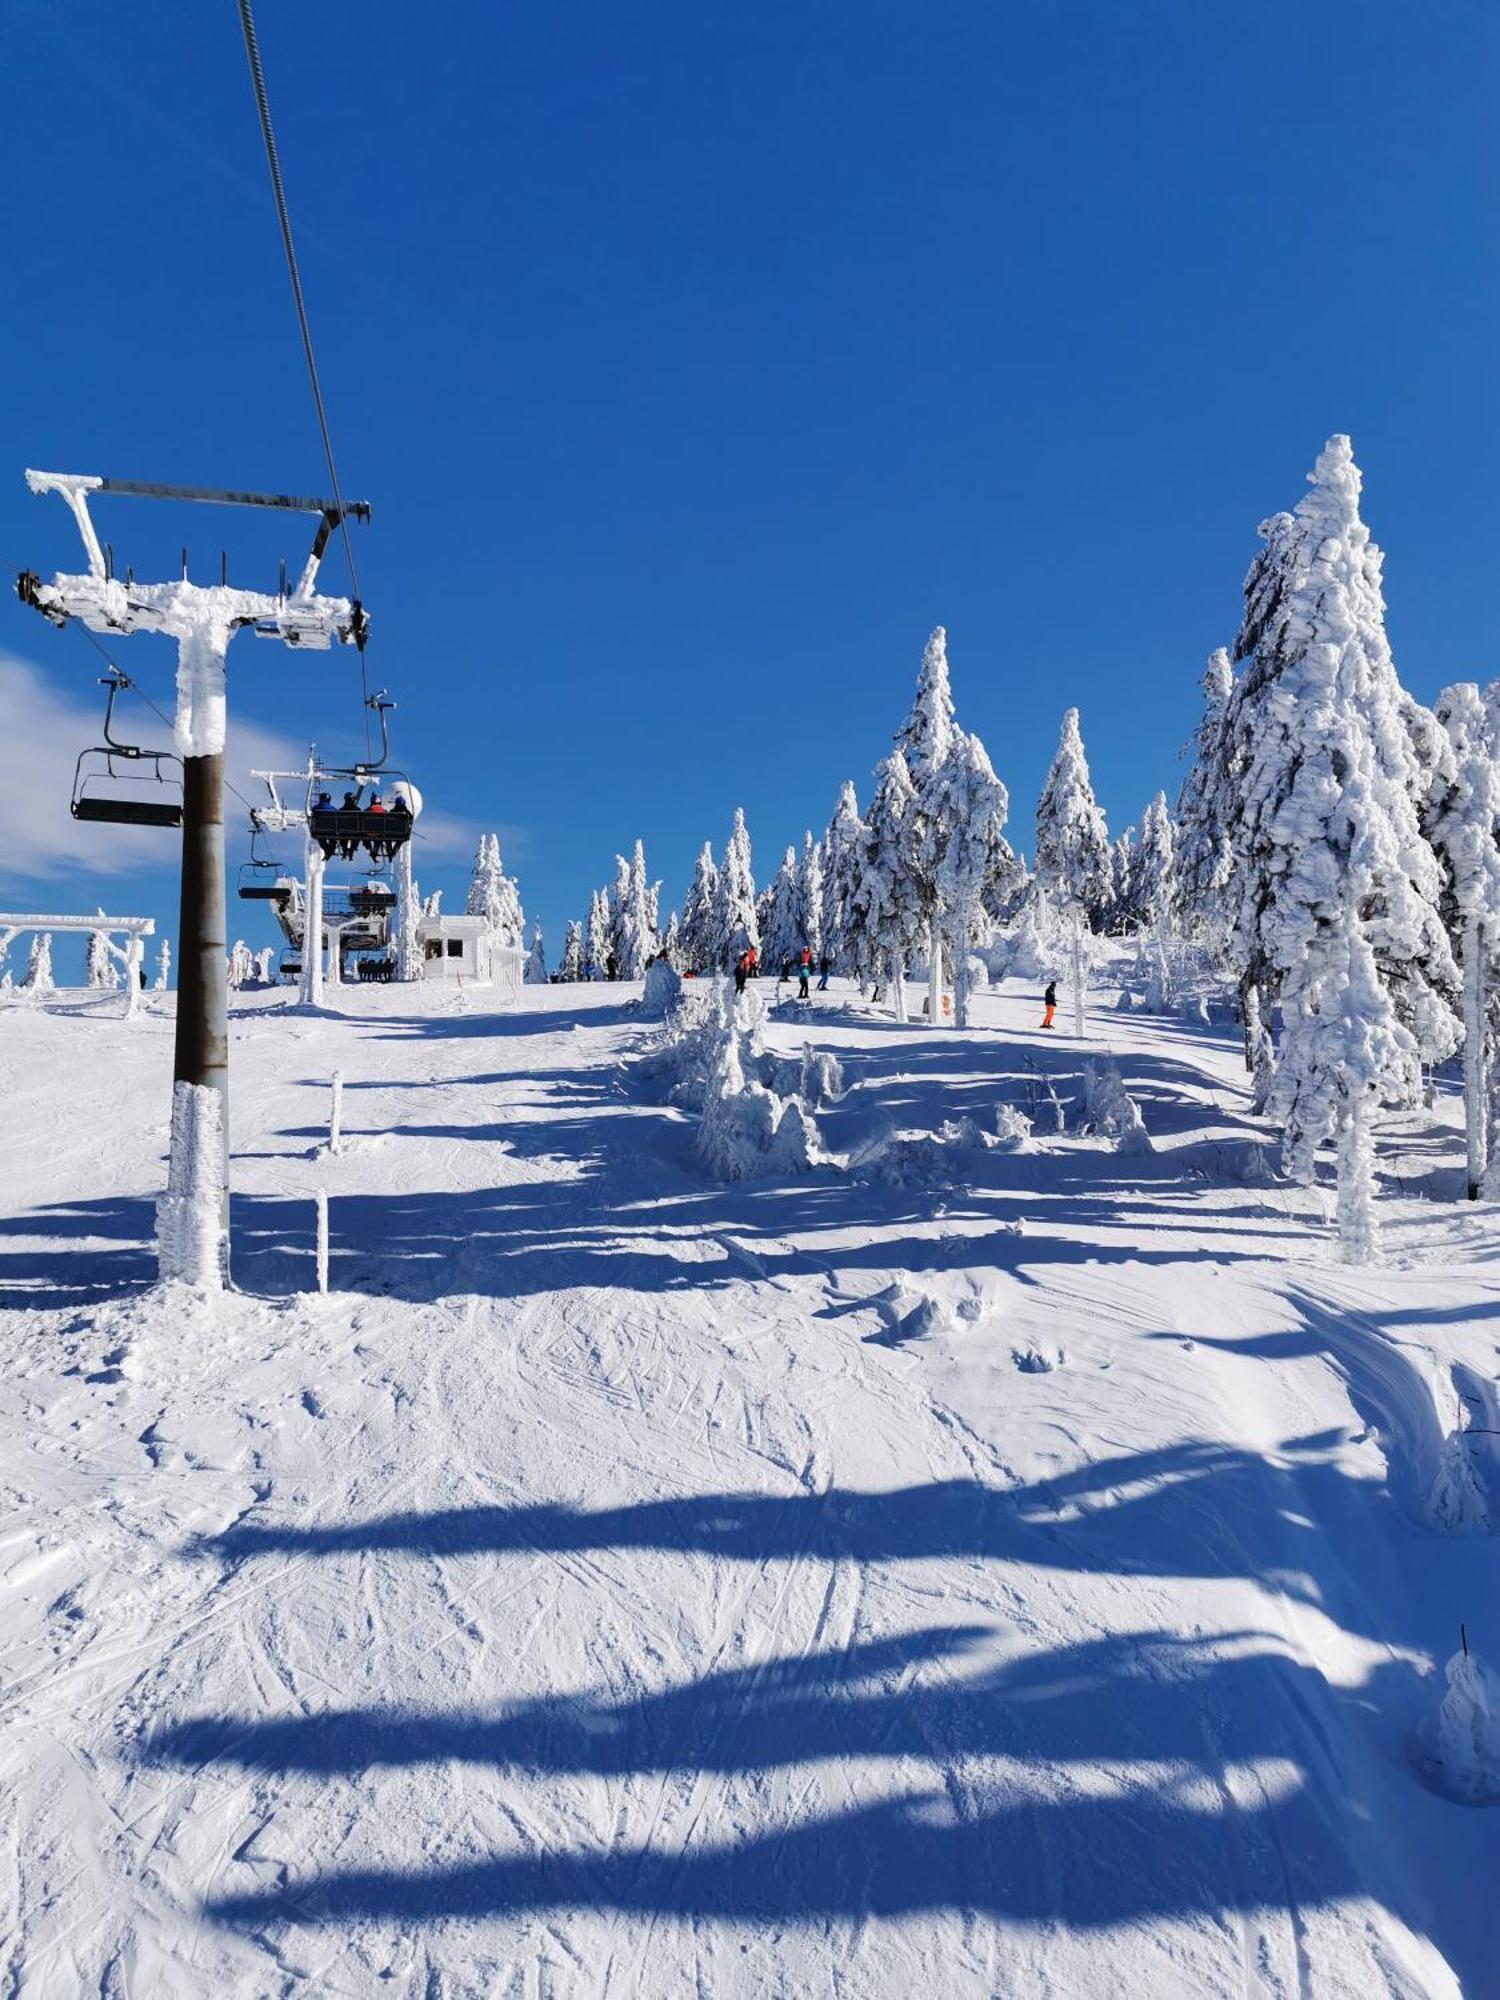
(992, 1546)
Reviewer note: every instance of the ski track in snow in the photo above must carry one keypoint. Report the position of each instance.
(622, 1584)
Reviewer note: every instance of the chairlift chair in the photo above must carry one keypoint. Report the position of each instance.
(343, 828)
(104, 767)
(262, 880)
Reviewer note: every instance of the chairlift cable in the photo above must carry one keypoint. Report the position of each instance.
(278, 191)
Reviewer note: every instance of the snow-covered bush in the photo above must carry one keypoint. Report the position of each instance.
(1107, 1109)
(814, 1076)
(1013, 1129)
(662, 991)
(748, 1131)
(925, 1159)
(1463, 1743)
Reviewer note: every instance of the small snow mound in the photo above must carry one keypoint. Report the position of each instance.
(1463, 1744)
(909, 1313)
(923, 1159)
(662, 990)
(1038, 1358)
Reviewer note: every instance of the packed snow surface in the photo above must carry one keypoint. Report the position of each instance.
(1035, 1570)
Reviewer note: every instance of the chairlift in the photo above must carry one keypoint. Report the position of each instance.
(354, 821)
(262, 880)
(101, 770)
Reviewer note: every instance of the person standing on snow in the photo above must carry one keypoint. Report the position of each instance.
(1049, 1003)
(825, 966)
(741, 971)
(804, 973)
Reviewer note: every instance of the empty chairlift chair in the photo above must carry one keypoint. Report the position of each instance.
(120, 784)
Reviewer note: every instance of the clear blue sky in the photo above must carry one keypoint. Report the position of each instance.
(697, 360)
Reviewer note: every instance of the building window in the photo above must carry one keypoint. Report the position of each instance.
(434, 947)
(455, 947)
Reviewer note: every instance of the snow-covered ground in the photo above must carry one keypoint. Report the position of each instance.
(969, 1570)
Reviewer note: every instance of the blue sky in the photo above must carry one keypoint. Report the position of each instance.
(697, 360)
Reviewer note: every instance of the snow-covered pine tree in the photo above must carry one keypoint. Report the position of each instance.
(697, 936)
(1463, 824)
(782, 929)
(163, 965)
(1206, 810)
(810, 886)
(102, 973)
(494, 895)
(1153, 887)
(265, 966)
(972, 806)
(735, 925)
(926, 736)
(619, 914)
(926, 741)
(632, 924)
(1335, 910)
(890, 917)
(570, 970)
(600, 941)
(1072, 865)
(241, 964)
(38, 977)
(535, 973)
(843, 870)
(1122, 882)
(671, 943)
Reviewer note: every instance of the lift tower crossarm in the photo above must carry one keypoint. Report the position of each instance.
(116, 607)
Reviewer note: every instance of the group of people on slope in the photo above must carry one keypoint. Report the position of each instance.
(747, 966)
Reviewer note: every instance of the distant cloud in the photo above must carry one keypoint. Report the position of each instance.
(46, 724)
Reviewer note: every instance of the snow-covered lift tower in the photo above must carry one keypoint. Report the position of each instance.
(193, 1215)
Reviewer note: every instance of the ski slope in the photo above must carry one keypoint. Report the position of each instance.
(961, 1571)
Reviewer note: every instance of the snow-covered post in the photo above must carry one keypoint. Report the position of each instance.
(335, 954)
(335, 1113)
(163, 966)
(135, 955)
(312, 928)
(408, 910)
(320, 1219)
(190, 1251)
